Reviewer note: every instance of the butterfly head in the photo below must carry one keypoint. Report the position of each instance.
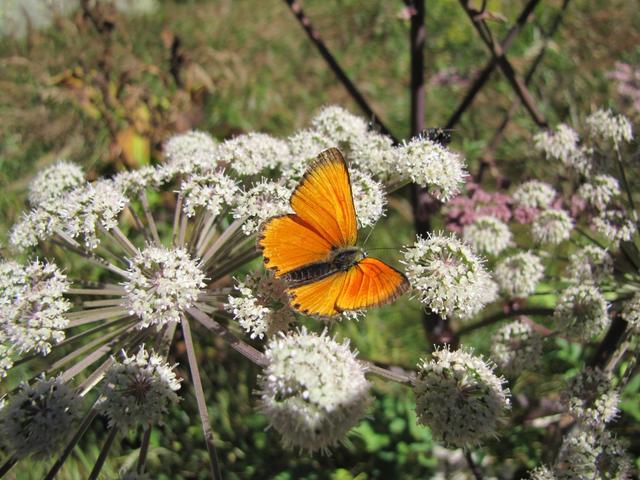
(345, 258)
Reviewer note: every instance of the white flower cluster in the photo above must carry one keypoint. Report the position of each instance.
(487, 235)
(212, 191)
(599, 191)
(190, 152)
(263, 305)
(162, 284)
(591, 397)
(605, 125)
(581, 312)
(516, 347)
(552, 227)
(32, 306)
(459, 397)
(76, 214)
(138, 390)
(616, 225)
(38, 418)
(518, 275)
(534, 194)
(313, 390)
(369, 198)
(433, 166)
(542, 473)
(340, 127)
(562, 145)
(449, 278)
(134, 182)
(253, 153)
(590, 264)
(55, 181)
(631, 313)
(261, 202)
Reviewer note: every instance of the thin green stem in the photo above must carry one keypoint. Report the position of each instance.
(491, 319)
(103, 454)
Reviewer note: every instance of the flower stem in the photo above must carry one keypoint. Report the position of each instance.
(103, 454)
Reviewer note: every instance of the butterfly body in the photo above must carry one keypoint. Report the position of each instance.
(314, 250)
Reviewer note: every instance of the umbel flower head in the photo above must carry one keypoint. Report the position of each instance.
(518, 275)
(32, 306)
(459, 397)
(552, 227)
(605, 125)
(313, 390)
(138, 390)
(449, 278)
(516, 347)
(581, 312)
(599, 191)
(631, 313)
(591, 397)
(487, 235)
(53, 182)
(38, 418)
(590, 264)
(534, 194)
(616, 225)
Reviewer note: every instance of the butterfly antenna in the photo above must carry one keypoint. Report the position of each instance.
(369, 234)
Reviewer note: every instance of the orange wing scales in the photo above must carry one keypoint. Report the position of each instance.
(370, 283)
(324, 200)
(287, 243)
(319, 298)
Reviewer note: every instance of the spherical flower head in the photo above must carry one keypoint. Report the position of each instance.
(607, 126)
(559, 145)
(487, 235)
(138, 390)
(631, 313)
(55, 181)
(432, 166)
(518, 275)
(590, 264)
(262, 306)
(341, 127)
(313, 390)
(534, 194)
(190, 152)
(599, 191)
(459, 397)
(32, 306)
(304, 147)
(591, 397)
(6, 362)
(369, 198)
(261, 202)
(552, 227)
(616, 225)
(134, 182)
(252, 153)
(38, 418)
(581, 312)
(162, 284)
(516, 347)
(375, 154)
(449, 278)
(211, 191)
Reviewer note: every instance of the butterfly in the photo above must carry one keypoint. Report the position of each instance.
(314, 249)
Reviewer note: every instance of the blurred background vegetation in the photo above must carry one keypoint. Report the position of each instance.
(105, 86)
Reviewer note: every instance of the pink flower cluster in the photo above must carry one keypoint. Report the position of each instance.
(627, 78)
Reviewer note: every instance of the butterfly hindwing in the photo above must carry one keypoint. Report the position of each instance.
(319, 297)
(370, 283)
(288, 243)
(324, 200)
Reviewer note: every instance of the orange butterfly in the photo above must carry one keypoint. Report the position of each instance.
(314, 249)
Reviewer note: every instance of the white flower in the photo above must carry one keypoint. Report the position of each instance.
(374, 153)
(262, 308)
(138, 390)
(605, 125)
(55, 181)
(631, 313)
(534, 194)
(448, 276)
(369, 198)
(211, 190)
(516, 347)
(134, 182)
(581, 312)
(313, 390)
(162, 284)
(590, 264)
(592, 398)
(563, 145)
(304, 147)
(6, 362)
(552, 227)
(487, 235)
(616, 225)
(518, 275)
(38, 418)
(340, 127)
(432, 166)
(459, 397)
(32, 306)
(252, 153)
(599, 191)
(542, 473)
(261, 202)
(190, 152)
